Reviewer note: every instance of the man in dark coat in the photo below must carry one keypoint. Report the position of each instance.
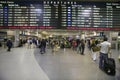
(43, 46)
(82, 46)
(9, 45)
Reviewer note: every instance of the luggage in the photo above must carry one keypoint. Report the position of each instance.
(109, 66)
(0, 44)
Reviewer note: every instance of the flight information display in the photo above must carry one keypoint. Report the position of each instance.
(59, 14)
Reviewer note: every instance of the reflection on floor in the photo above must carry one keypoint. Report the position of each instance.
(20, 64)
(69, 65)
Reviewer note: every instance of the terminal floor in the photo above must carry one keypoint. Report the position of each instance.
(28, 64)
(69, 65)
(20, 64)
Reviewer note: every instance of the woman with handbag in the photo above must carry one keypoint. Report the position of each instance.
(95, 49)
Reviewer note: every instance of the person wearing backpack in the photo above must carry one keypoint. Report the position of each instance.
(9, 44)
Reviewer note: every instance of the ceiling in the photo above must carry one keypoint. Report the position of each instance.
(71, 0)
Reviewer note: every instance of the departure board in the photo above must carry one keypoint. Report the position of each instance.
(59, 14)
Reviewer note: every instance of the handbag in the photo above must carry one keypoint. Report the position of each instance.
(95, 48)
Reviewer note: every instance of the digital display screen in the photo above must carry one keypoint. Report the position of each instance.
(59, 14)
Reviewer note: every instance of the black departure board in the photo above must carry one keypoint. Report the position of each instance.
(59, 14)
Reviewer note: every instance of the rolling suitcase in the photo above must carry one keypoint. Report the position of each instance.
(109, 66)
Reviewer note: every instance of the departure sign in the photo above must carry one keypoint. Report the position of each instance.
(59, 15)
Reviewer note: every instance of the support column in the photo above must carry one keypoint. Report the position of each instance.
(16, 35)
(113, 39)
(107, 34)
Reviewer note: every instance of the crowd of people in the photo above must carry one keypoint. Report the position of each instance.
(54, 44)
(77, 45)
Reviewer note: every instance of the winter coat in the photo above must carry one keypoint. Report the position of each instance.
(9, 43)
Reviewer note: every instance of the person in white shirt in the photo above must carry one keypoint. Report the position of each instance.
(104, 50)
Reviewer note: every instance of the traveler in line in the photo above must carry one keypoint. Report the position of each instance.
(9, 44)
(104, 50)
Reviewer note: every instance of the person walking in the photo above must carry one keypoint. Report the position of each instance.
(9, 44)
(43, 46)
(105, 47)
(29, 41)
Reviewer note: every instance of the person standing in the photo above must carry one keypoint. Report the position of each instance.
(0, 44)
(105, 47)
(82, 46)
(9, 45)
(94, 52)
(74, 44)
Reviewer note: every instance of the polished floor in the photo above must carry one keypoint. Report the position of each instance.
(20, 64)
(28, 64)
